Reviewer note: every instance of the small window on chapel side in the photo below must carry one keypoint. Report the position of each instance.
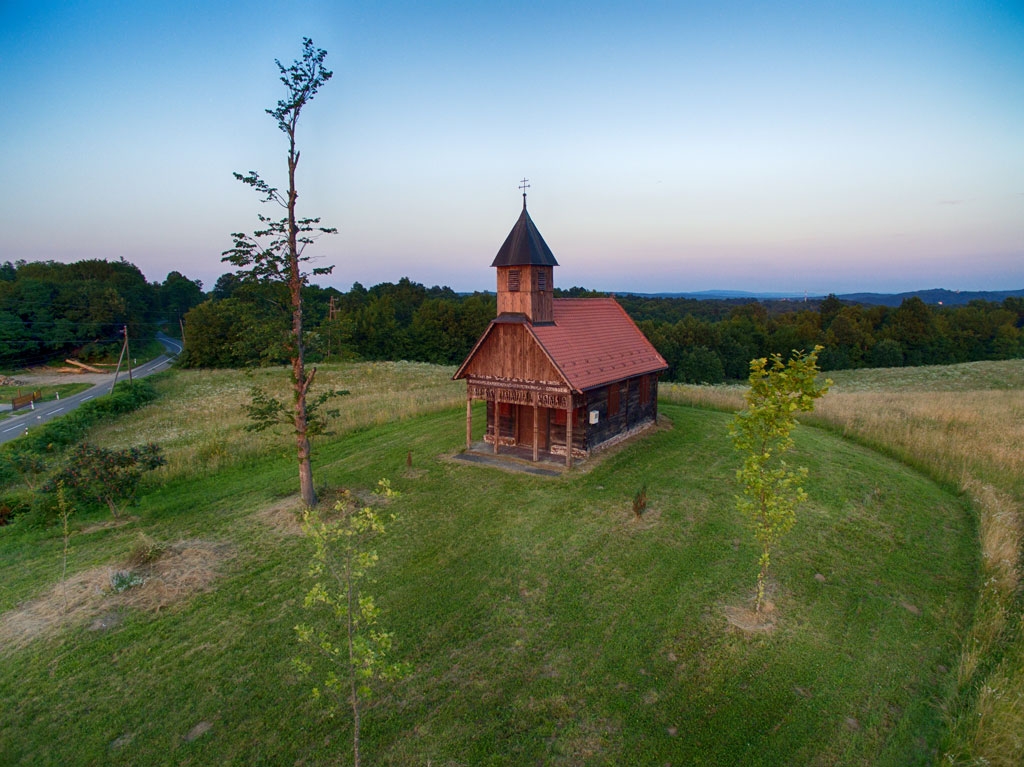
(513, 280)
(542, 281)
(613, 399)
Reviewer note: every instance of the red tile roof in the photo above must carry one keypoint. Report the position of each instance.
(594, 342)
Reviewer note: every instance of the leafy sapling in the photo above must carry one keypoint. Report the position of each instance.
(349, 651)
(65, 511)
(761, 433)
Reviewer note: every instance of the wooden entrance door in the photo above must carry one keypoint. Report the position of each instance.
(524, 422)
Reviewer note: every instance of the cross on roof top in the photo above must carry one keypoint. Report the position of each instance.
(524, 186)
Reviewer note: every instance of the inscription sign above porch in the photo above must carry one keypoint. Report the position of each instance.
(518, 396)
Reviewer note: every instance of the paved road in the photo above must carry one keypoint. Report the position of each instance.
(15, 426)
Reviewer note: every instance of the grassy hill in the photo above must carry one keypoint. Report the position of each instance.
(543, 622)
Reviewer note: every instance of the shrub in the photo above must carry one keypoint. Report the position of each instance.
(94, 474)
(13, 505)
(640, 501)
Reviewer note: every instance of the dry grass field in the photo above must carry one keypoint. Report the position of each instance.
(964, 425)
(207, 429)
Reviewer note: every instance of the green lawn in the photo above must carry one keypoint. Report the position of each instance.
(544, 624)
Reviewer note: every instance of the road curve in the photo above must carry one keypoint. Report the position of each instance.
(15, 426)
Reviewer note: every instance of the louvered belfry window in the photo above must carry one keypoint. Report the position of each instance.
(542, 281)
(513, 280)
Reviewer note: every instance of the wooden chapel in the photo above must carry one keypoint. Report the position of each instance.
(561, 376)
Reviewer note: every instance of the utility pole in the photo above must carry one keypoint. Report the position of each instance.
(128, 354)
(330, 317)
(118, 368)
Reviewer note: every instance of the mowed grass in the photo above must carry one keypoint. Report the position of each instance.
(964, 426)
(543, 622)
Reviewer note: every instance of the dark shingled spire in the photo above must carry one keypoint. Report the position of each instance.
(524, 245)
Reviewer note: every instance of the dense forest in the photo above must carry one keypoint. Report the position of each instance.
(705, 341)
(48, 310)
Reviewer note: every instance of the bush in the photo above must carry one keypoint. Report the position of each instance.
(95, 475)
(834, 358)
(640, 501)
(145, 552)
(13, 505)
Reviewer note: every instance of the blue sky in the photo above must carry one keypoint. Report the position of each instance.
(670, 146)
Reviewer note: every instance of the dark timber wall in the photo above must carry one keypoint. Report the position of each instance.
(632, 410)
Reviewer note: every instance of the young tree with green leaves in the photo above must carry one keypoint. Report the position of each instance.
(64, 511)
(771, 489)
(274, 252)
(350, 650)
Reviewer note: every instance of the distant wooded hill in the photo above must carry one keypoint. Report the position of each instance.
(937, 296)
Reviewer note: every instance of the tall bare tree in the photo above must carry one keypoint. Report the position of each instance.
(274, 252)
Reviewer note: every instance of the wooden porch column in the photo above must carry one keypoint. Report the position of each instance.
(497, 424)
(568, 436)
(536, 432)
(469, 421)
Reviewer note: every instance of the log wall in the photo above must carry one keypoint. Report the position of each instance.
(631, 412)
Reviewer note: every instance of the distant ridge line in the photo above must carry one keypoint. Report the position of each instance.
(932, 296)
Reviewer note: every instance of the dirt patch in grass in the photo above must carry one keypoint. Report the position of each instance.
(284, 517)
(183, 569)
(750, 621)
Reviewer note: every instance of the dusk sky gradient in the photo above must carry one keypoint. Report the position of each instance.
(670, 146)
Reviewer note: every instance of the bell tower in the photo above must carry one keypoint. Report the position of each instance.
(525, 267)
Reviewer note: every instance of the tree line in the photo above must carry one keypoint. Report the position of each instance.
(245, 323)
(703, 341)
(49, 310)
(701, 350)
